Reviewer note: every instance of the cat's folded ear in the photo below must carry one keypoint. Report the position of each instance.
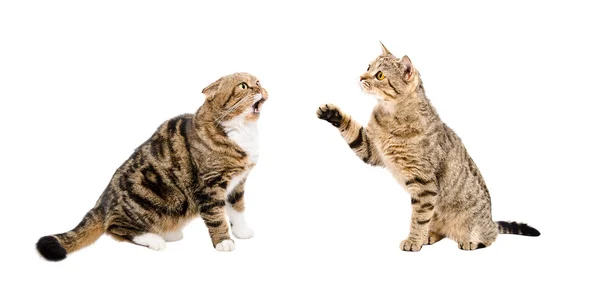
(211, 90)
(384, 50)
(407, 68)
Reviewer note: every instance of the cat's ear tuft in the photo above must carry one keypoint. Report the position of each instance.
(384, 50)
(211, 90)
(408, 70)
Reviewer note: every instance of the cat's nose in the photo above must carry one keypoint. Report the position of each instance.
(362, 78)
(264, 95)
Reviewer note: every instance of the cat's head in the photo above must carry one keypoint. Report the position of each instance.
(234, 95)
(389, 78)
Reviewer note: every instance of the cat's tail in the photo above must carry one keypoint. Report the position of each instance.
(56, 247)
(506, 227)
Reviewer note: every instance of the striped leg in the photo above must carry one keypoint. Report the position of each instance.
(212, 211)
(356, 136)
(235, 211)
(423, 199)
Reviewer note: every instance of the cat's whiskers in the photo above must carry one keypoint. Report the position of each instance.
(233, 108)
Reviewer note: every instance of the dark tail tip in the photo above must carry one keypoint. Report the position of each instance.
(505, 227)
(51, 249)
(529, 231)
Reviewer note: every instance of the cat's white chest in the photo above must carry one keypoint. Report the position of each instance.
(246, 136)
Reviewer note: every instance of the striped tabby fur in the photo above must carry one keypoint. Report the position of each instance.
(193, 165)
(449, 197)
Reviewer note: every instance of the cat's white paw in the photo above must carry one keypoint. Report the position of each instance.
(151, 240)
(173, 236)
(242, 232)
(225, 246)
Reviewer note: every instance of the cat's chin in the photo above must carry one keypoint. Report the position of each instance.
(377, 96)
(365, 87)
(254, 113)
(252, 117)
(374, 95)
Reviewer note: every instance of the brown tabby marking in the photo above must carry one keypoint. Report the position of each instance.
(181, 172)
(236, 198)
(449, 197)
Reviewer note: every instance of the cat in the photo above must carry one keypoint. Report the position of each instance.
(449, 197)
(194, 164)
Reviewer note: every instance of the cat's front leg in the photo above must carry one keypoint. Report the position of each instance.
(332, 114)
(424, 195)
(235, 211)
(355, 135)
(212, 211)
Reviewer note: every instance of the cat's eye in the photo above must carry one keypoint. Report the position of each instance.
(258, 83)
(243, 85)
(379, 75)
(369, 67)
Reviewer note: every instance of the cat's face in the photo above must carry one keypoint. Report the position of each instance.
(238, 94)
(389, 78)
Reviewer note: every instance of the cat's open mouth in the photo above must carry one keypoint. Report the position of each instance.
(256, 107)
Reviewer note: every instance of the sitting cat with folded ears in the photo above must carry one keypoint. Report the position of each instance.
(193, 165)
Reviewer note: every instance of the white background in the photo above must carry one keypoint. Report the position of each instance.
(82, 84)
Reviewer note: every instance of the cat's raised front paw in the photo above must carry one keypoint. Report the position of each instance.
(242, 232)
(330, 113)
(411, 246)
(225, 246)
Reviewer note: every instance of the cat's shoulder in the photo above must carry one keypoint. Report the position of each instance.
(176, 121)
(183, 117)
(177, 125)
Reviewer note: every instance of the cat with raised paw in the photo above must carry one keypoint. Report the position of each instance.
(405, 134)
(193, 165)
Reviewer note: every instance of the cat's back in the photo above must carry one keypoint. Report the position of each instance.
(175, 126)
(458, 171)
(168, 139)
(166, 152)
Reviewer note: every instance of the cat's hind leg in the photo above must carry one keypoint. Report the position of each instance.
(137, 236)
(151, 240)
(172, 236)
(481, 236)
(434, 237)
(435, 233)
(172, 227)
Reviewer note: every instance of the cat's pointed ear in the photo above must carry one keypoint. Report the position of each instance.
(384, 50)
(408, 70)
(211, 90)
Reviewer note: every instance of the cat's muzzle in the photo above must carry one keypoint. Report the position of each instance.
(258, 105)
(365, 85)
